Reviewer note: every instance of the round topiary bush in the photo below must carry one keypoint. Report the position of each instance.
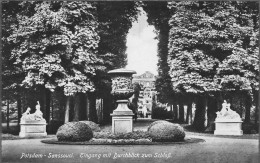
(156, 122)
(94, 127)
(74, 131)
(164, 131)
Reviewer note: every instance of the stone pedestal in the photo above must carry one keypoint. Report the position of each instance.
(122, 118)
(33, 129)
(228, 127)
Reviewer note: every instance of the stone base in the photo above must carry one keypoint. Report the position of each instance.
(122, 118)
(33, 129)
(225, 132)
(35, 135)
(228, 128)
(122, 123)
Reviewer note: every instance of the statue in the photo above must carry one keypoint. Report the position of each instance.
(33, 125)
(36, 116)
(227, 113)
(228, 122)
(27, 112)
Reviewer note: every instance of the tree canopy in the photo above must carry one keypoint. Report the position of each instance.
(212, 46)
(57, 45)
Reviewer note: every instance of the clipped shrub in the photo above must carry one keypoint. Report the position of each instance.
(166, 132)
(94, 127)
(74, 131)
(156, 122)
(130, 135)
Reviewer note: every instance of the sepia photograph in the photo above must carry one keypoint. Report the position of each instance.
(129, 81)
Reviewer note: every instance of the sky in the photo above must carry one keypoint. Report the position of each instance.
(142, 47)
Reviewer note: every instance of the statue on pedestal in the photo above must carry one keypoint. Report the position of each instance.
(227, 113)
(33, 125)
(36, 116)
(228, 122)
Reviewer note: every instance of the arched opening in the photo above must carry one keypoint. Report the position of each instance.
(142, 46)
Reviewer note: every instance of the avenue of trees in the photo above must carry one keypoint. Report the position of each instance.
(59, 53)
(208, 52)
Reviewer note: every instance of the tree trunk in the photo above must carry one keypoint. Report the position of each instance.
(181, 111)
(256, 107)
(52, 109)
(212, 109)
(175, 111)
(248, 103)
(200, 114)
(67, 110)
(7, 116)
(189, 112)
(19, 109)
(92, 107)
(87, 106)
(107, 108)
(82, 105)
(206, 112)
(47, 108)
(76, 107)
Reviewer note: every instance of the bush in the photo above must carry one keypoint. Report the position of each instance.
(130, 135)
(94, 127)
(156, 122)
(74, 131)
(164, 131)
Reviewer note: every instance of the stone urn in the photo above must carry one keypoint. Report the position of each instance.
(122, 90)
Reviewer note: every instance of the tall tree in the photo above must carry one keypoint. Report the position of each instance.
(159, 15)
(57, 45)
(206, 44)
(12, 74)
(115, 19)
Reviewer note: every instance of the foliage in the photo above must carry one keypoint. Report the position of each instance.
(130, 135)
(74, 131)
(212, 46)
(160, 112)
(57, 45)
(94, 127)
(166, 132)
(11, 74)
(156, 122)
(115, 19)
(159, 15)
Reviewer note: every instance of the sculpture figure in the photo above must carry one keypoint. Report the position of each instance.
(227, 113)
(27, 112)
(37, 115)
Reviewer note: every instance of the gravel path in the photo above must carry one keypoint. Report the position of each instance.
(215, 150)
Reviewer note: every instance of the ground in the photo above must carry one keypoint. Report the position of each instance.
(214, 149)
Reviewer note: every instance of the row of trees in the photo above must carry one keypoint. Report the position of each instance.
(208, 52)
(63, 50)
